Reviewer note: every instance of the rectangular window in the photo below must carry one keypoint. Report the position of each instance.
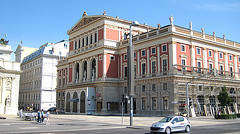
(125, 90)
(164, 65)
(143, 88)
(153, 50)
(154, 67)
(231, 71)
(125, 71)
(230, 57)
(221, 69)
(164, 86)
(143, 103)
(79, 43)
(125, 57)
(154, 103)
(200, 88)
(210, 67)
(183, 65)
(95, 37)
(135, 70)
(183, 48)
(143, 68)
(220, 55)
(75, 45)
(91, 39)
(83, 42)
(164, 48)
(112, 57)
(198, 51)
(165, 103)
(87, 41)
(199, 65)
(154, 87)
(143, 53)
(134, 54)
(210, 53)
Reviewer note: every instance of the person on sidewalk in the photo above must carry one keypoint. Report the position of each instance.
(42, 115)
(39, 117)
(48, 118)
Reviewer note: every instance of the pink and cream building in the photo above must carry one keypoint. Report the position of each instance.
(93, 78)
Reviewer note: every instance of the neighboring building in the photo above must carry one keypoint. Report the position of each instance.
(22, 52)
(166, 58)
(38, 80)
(9, 81)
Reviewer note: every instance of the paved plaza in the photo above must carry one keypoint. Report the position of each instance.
(109, 124)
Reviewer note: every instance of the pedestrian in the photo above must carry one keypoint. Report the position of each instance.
(42, 115)
(56, 112)
(39, 116)
(48, 117)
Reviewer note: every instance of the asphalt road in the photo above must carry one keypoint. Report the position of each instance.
(83, 124)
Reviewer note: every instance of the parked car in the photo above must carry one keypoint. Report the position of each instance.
(171, 124)
(52, 109)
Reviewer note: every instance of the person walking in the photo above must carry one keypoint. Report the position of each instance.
(48, 117)
(39, 117)
(42, 115)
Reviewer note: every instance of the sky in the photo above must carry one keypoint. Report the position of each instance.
(36, 22)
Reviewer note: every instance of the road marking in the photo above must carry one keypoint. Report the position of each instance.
(4, 124)
(28, 127)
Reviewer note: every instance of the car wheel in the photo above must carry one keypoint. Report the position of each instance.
(187, 129)
(168, 130)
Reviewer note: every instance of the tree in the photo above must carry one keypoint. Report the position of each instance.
(224, 98)
(3, 41)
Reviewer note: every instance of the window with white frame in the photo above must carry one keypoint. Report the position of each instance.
(135, 70)
(164, 86)
(135, 55)
(210, 53)
(198, 51)
(238, 59)
(153, 50)
(183, 48)
(221, 55)
(231, 71)
(143, 53)
(221, 70)
(210, 67)
(199, 66)
(164, 48)
(154, 87)
(100, 57)
(153, 66)
(125, 71)
(95, 37)
(164, 65)
(75, 45)
(79, 43)
(125, 57)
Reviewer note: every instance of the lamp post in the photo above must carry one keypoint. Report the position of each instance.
(130, 63)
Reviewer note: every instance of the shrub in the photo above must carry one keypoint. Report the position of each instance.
(238, 115)
(226, 116)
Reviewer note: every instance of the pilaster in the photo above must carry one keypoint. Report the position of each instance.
(192, 52)
(226, 61)
(204, 57)
(216, 59)
(172, 54)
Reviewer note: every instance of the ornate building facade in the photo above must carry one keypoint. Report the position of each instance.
(165, 60)
(38, 80)
(9, 81)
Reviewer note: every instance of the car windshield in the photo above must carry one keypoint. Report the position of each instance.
(166, 119)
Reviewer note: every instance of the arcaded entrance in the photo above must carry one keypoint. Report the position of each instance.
(82, 102)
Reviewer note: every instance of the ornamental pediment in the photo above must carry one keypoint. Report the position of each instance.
(153, 58)
(184, 56)
(221, 62)
(198, 58)
(85, 20)
(164, 56)
(211, 60)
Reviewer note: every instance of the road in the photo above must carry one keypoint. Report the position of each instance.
(84, 124)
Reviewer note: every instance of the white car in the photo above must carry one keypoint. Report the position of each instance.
(171, 124)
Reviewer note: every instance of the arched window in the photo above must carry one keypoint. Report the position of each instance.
(85, 70)
(77, 72)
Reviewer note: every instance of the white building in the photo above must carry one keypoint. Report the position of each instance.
(38, 80)
(9, 81)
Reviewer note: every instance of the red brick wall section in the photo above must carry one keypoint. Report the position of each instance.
(71, 46)
(112, 66)
(70, 72)
(100, 65)
(100, 34)
(112, 34)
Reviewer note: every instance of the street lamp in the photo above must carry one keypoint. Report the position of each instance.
(130, 63)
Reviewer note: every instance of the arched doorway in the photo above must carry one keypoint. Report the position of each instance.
(75, 101)
(93, 69)
(68, 102)
(82, 102)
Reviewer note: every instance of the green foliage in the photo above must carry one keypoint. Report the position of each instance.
(3, 41)
(224, 98)
(226, 116)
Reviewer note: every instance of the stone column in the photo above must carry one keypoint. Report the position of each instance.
(173, 55)
(138, 64)
(204, 57)
(88, 70)
(216, 59)
(96, 67)
(158, 59)
(104, 65)
(121, 68)
(192, 53)
(80, 71)
(226, 61)
(235, 66)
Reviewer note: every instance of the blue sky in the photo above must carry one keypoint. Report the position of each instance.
(36, 22)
